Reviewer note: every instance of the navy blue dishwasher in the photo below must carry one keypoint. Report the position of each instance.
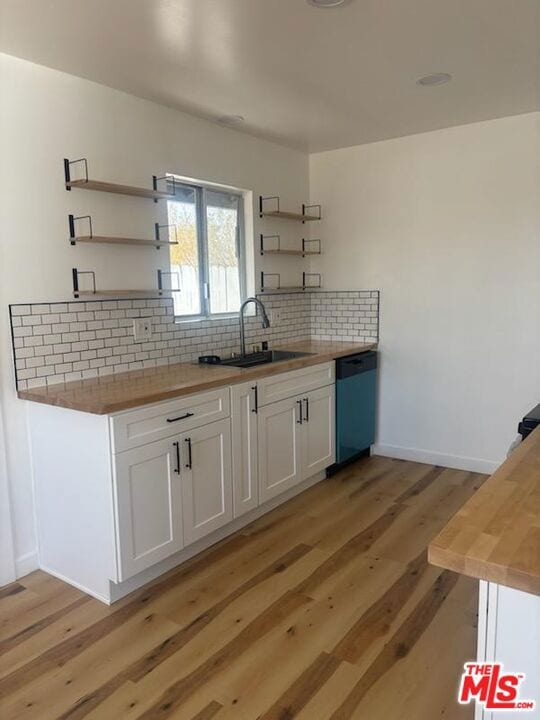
(356, 386)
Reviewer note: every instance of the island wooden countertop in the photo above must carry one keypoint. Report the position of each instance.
(113, 393)
(496, 534)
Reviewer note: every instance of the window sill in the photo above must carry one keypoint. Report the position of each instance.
(179, 320)
(250, 311)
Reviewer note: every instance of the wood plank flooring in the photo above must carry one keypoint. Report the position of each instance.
(324, 609)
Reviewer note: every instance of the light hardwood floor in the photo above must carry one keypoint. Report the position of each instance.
(325, 609)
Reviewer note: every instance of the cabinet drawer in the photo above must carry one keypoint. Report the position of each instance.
(138, 427)
(278, 387)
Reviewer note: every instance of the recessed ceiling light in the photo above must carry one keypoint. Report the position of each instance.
(434, 79)
(231, 119)
(327, 3)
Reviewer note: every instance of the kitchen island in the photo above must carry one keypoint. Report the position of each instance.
(495, 537)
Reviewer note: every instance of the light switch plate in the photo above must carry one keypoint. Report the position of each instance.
(142, 329)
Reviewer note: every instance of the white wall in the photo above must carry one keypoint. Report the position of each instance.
(46, 116)
(447, 225)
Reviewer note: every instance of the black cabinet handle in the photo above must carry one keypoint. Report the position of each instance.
(182, 417)
(255, 408)
(188, 464)
(300, 420)
(177, 468)
(306, 400)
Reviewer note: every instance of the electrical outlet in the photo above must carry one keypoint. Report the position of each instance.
(275, 316)
(142, 329)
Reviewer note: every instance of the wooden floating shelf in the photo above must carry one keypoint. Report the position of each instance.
(283, 287)
(160, 290)
(279, 287)
(119, 189)
(290, 216)
(278, 250)
(290, 288)
(120, 241)
(277, 212)
(290, 252)
(121, 293)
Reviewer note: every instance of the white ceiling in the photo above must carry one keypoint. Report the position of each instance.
(305, 77)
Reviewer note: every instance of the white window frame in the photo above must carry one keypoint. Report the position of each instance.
(201, 189)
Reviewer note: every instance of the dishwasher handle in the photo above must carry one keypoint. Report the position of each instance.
(356, 364)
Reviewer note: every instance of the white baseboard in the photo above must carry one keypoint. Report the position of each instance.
(455, 462)
(26, 564)
(77, 585)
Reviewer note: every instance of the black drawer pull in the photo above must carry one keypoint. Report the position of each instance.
(177, 468)
(182, 417)
(255, 408)
(188, 464)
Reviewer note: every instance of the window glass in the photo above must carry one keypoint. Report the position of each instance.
(208, 259)
(185, 258)
(222, 214)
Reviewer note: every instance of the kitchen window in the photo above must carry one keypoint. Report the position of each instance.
(209, 260)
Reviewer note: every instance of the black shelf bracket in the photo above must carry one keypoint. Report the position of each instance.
(308, 286)
(306, 243)
(263, 199)
(168, 179)
(76, 274)
(71, 222)
(311, 207)
(270, 237)
(67, 170)
(157, 233)
(264, 287)
(168, 273)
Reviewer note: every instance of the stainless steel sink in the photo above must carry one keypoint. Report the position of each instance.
(263, 358)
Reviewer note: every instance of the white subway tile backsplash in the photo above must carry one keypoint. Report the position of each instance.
(68, 337)
(72, 341)
(56, 379)
(29, 320)
(26, 374)
(21, 310)
(40, 309)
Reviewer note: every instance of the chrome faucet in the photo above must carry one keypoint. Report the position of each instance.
(265, 321)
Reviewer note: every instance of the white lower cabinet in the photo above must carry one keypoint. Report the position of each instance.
(244, 447)
(171, 493)
(148, 507)
(296, 440)
(206, 479)
(280, 455)
(318, 426)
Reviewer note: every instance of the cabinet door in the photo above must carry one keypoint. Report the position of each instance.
(148, 506)
(206, 479)
(279, 448)
(244, 447)
(318, 429)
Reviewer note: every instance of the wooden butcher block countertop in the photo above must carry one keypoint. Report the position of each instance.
(496, 535)
(113, 393)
